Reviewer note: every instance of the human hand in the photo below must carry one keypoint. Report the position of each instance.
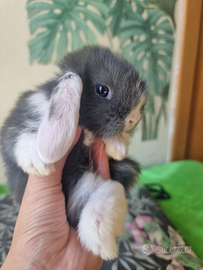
(42, 237)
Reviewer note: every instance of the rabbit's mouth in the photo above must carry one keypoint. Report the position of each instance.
(115, 147)
(133, 128)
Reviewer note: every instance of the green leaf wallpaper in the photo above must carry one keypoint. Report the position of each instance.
(144, 28)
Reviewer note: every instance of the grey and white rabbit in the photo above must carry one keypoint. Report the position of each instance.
(101, 92)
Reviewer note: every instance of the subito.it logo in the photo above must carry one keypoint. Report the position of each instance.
(147, 249)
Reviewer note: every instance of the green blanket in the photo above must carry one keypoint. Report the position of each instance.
(3, 189)
(183, 180)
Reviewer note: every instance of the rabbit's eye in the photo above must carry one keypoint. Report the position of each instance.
(102, 90)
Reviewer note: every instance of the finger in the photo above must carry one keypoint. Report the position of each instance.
(100, 159)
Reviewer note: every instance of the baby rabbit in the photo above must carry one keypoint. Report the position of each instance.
(101, 92)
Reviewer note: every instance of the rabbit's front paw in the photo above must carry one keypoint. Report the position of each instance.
(38, 167)
(27, 157)
(117, 147)
(34, 165)
(102, 220)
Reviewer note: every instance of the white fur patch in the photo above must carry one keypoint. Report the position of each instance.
(88, 137)
(102, 219)
(58, 128)
(38, 103)
(27, 158)
(88, 183)
(117, 147)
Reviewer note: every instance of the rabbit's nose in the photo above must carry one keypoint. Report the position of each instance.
(131, 122)
(132, 119)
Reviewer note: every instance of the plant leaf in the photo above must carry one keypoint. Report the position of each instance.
(140, 7)
(124, 264)
(150, 108)
(36, 8)
(164, 93)
(114, 265)
(48, 20)
(76, 40)
(47, 54)
(148, 44)
(29, 1)
(38, 44)
(102, 8)
(62, 44)
(167, 6)
(117, 13)
(88, 33)
(132, 24)
(43, 21)
(164, 26)
(98, 21)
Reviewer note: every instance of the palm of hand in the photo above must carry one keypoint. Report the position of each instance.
(49, 238)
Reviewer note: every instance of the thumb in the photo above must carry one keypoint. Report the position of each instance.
(100, 159)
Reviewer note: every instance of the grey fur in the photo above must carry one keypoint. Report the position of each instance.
(105, 118)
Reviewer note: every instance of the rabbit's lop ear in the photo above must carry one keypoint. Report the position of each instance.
(58, 128)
